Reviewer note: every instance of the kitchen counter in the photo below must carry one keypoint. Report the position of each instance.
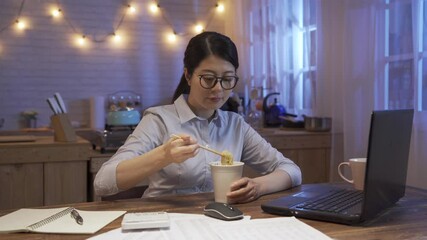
(43, 172)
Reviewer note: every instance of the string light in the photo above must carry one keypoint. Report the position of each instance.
(20, 24)
(56, 13)
(131, 9)
(198, 28)
(172, 37)
(154, 7)
(220, 7)
(82, 40)
(116, 37)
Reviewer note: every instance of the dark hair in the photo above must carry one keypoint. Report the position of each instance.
(202, 46)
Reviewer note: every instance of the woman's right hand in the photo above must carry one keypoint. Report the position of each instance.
(177, 150)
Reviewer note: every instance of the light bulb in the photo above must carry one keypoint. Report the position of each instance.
(20, 24)
(172, 37)
(220, 7)
(131, 9)
(81, 41)
(56, 12)
(154, 8)
(198, 28)
(116, 37)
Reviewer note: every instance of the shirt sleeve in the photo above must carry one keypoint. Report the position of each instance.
(144, 138)
(260, 155)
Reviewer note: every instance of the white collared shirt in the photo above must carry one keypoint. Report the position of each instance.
(227, 131)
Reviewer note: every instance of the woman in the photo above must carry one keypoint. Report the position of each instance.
(177, 165)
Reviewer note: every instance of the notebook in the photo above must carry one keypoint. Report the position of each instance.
(56, 220)
(385, 178)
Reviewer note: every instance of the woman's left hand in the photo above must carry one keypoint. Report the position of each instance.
(243, 190)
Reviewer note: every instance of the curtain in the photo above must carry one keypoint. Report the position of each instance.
(274, 50)
(345, 75)
(418, 156)
(352, 77)
(351, 68)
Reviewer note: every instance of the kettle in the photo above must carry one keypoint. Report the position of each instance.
(273, 112)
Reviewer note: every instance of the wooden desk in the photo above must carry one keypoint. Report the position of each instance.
(406, 220)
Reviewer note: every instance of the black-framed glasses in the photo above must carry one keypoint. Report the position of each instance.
(209, 81)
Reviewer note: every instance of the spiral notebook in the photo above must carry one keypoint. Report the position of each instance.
(56, 220)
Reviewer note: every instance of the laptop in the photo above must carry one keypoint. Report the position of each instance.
(385, 178)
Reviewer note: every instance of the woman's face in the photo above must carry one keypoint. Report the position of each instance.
(204, 101)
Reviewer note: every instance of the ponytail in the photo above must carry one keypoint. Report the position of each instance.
(183, 88)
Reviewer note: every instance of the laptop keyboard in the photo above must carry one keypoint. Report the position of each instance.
(336, 201)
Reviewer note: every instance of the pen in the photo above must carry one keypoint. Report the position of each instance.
(77, 217)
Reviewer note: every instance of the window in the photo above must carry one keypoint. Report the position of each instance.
(405, 53)
(309, 48)
(282, 50)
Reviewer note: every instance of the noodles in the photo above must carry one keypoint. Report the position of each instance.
(226, 158)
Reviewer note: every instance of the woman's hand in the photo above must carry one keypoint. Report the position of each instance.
(249, 189)
(175, 150)
(243, 190)
(178, 150)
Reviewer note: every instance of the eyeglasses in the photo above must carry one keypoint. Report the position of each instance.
(209, 81)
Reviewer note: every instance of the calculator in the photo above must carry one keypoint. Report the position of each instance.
(145, 220)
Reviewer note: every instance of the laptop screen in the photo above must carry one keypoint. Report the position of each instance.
(388, 151)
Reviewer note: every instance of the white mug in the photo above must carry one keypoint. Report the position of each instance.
(357, 166)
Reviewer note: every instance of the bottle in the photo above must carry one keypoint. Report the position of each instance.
(254, 116)
(240, 109)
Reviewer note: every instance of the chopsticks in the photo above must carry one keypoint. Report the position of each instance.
(174, 136)
(226, 156)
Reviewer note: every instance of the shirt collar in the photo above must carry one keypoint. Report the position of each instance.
(185, 113)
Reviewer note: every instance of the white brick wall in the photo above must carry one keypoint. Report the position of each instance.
(43, 59)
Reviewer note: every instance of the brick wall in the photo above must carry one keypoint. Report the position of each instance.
(44, 59)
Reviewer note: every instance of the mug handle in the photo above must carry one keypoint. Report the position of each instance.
(341, 175)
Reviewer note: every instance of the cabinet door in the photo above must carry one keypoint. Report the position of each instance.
(65, 182)
(291, 154)
(21, 185)
(313, 162)
(314, 165)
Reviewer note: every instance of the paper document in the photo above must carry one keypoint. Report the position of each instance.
(279, 228)
(197, 226)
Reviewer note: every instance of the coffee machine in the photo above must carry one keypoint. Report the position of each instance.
(123, 109)
(123, 115)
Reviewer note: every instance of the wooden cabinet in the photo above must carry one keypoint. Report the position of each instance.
(43, 172)
(311, 151)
